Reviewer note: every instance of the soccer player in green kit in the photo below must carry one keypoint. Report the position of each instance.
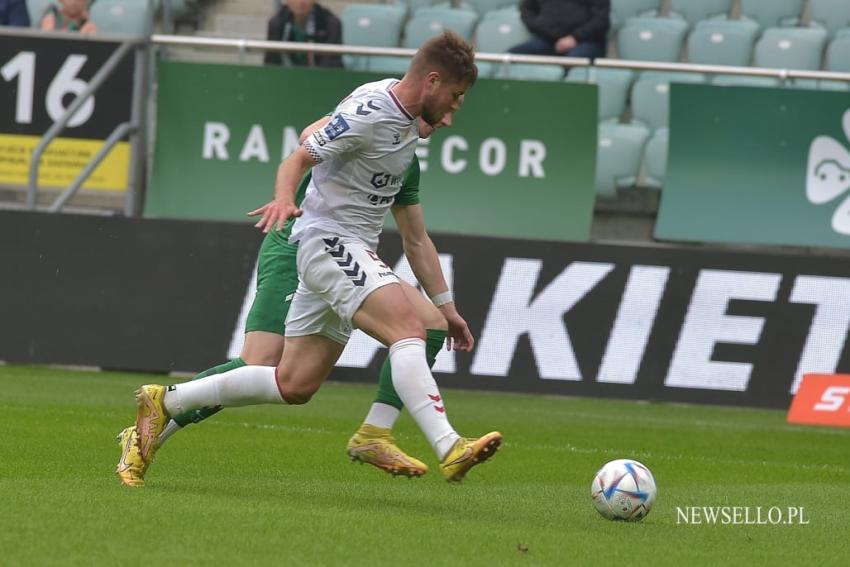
(277, 280)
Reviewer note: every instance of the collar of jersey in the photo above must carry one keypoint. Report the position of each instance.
(398, 102)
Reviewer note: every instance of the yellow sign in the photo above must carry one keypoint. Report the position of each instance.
(62, 162)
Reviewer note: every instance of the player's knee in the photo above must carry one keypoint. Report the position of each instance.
(297, 395)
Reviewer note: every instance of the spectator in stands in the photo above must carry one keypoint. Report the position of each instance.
(69, 15)
(576, 28)
(14, 13)
(304, 20)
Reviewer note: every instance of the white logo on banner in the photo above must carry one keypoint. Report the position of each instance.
(828, 175)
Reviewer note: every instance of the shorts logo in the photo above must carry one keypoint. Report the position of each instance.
(345, 261)
(335, 127)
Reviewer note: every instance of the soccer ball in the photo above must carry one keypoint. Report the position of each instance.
(623, 490)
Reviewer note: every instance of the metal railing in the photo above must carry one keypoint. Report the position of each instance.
(251, 45)
(136, 127)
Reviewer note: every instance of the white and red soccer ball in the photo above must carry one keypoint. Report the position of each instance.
(623, 490)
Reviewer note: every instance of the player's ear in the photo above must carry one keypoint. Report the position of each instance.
(433, 80)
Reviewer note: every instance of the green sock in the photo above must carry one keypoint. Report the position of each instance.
(435, 340)
(194, 416)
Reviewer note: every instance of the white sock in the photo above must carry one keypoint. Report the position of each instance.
(245, 386)
(170, 429)
(416, 387)
(382, 415)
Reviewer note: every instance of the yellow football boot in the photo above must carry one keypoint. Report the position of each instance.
(466, 453)
(376, 446)
(131, 466)
(150, 420)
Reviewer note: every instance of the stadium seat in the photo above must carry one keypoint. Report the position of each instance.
(428, 22)
(651, 39)
(651, 96)
(375, 25)
(613, 85)
(694, 11)
(722, 42)
(529, 72)
(618, 156)
(838, 54)
(744, 81)
(485, 7)
(655, 158)
(36, 9)
(622, 10)
(410, 6)
(832, 15)
(123, 17)
(496, 33)
(790, 48)
(425, 24)
(772, 13)
(458, 6)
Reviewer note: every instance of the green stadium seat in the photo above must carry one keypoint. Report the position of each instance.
(374, 25)
(428, 22)
(410, 6)
(529, 72)
(618, 156)
(496, 33)
(790, 48)
(622, 10)
(425, 24)
(461, 6)
(613, 85)
(744, 81)
(694, 11)
(655, 158)
(812, 84)
(651, 39)
(722, 42)
(123, 17)
(773, 13)
(838, 54)
(485, 7)
(832, 15)
(651, 96)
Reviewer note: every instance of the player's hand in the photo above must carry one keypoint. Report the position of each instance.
(274, 215)
(459, 337)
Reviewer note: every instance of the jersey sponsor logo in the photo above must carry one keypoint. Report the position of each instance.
(336, 127)
(381, 180)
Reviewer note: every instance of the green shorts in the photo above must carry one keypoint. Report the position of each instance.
(277, 280)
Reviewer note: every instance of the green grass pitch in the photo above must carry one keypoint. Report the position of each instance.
(272, 484)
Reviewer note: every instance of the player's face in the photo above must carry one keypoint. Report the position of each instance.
(425, 129)
(441, 98)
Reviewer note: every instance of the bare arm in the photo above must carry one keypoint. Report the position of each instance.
(320, 123)
(289, 173)
(423, 258)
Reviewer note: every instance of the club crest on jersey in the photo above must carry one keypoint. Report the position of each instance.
(335, 127)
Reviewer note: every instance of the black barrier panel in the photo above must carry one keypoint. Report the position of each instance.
(118, 293)
(653, 323)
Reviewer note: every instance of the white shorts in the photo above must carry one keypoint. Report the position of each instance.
(335, 275)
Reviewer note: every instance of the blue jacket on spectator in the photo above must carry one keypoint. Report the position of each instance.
(14, 13)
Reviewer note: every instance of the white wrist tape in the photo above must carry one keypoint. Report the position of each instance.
(442, 298)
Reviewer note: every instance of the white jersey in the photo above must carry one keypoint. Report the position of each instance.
(362, 156)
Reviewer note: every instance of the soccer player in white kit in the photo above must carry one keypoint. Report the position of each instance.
(359, 159)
